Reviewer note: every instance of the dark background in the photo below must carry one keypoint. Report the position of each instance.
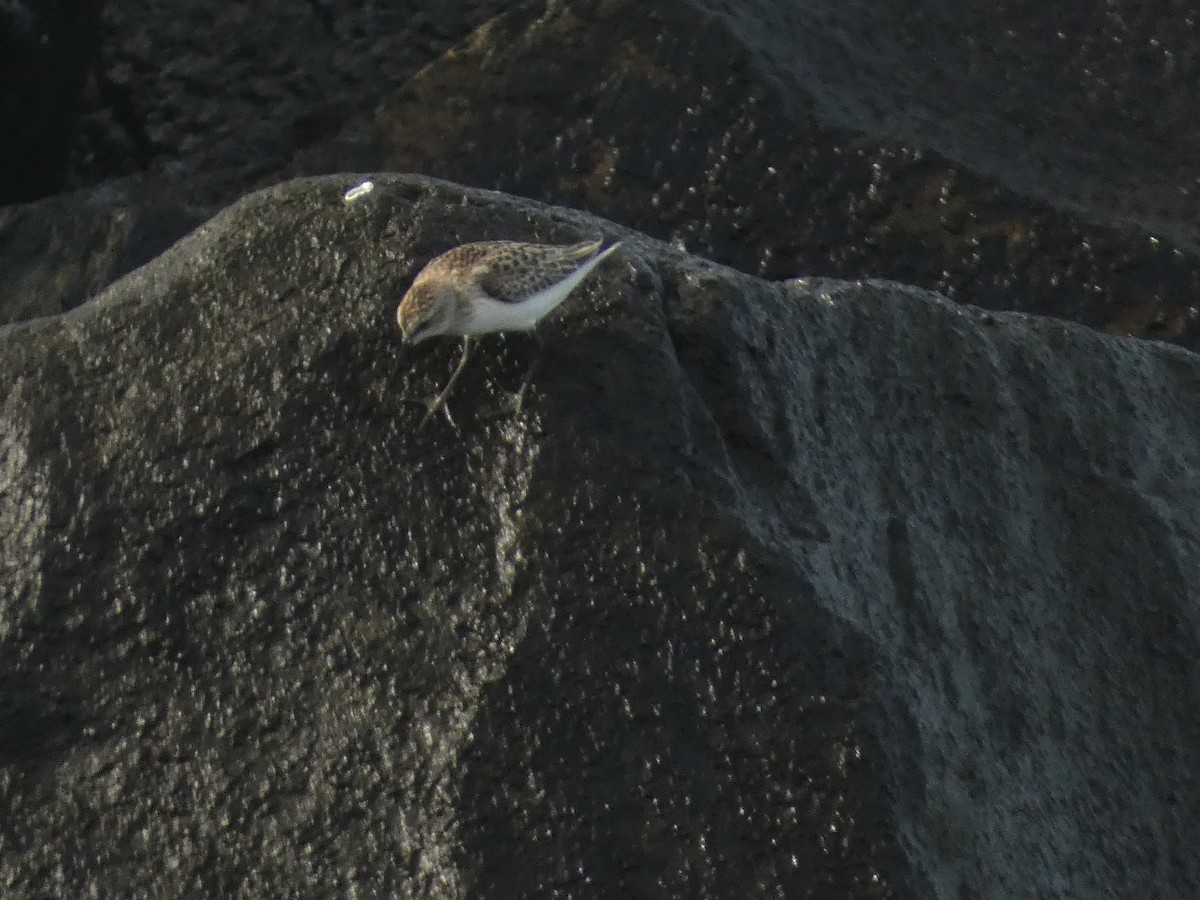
(1014, 155)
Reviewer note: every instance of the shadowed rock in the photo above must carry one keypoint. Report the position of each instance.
(46, 51)
(61, 251)
(201, 88)
(676, 123)
(772, 589)
(667, 120)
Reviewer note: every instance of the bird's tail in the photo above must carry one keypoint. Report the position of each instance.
(589, 249)
(607, 251)
(545, 300)
(583, 250)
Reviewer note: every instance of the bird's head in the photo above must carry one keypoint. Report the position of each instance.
(427, 310)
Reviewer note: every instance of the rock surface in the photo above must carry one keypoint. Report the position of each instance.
(551, 101)
(554, 104)
(773, 589)
(1085, 105)
(61, 251)
(202, 87)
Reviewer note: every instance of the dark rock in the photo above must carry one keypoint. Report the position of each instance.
(806, 589)
(663, 119)
(200, 87)
(60, 251)
(46, 52)
(1086, 106)
(670, 121)
(192, 105)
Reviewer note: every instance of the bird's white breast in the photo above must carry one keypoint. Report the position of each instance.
(490, 315)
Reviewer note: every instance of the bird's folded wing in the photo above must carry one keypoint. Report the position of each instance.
(511, 286)
(499, 286)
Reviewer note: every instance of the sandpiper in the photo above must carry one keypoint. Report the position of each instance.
(491, 286)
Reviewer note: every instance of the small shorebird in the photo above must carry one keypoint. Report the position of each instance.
(491, 286)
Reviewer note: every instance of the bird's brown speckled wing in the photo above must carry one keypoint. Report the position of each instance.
(512, 272)
(464, 258)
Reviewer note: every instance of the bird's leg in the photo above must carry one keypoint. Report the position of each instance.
(439, 402)
(519, 399)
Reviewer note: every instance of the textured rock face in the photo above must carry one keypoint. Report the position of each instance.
(200, 86)
(61, 251)
(552, 102)
(805, 589)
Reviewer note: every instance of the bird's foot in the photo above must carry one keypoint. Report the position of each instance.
(439, 402)
(431, 406)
